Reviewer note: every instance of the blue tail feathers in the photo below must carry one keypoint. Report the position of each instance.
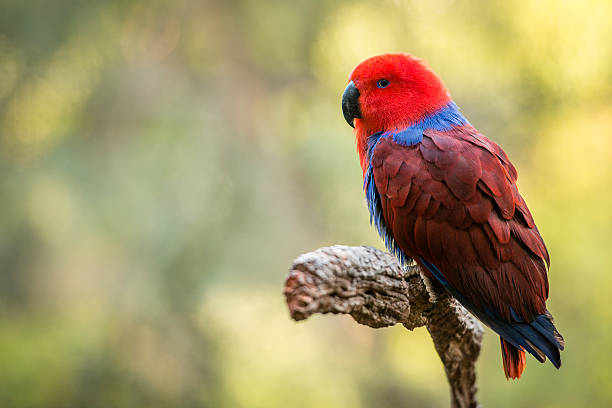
(539, 337)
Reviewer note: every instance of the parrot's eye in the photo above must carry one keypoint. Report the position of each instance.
(382, 83)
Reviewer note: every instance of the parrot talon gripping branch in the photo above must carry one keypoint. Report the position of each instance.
(444, 196)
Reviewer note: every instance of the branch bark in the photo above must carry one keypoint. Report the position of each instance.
(376, 291)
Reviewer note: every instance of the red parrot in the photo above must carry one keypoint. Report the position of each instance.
(442, 194)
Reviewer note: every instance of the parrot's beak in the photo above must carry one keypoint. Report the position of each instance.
(350, 104)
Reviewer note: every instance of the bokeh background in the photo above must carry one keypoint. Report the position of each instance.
(162, 163)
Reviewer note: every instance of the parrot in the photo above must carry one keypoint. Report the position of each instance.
(444, 196)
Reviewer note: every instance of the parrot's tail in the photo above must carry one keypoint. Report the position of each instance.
(514, 360)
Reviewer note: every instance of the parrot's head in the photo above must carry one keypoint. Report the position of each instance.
(391, 91)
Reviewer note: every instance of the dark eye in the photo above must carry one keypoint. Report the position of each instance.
(382, 83)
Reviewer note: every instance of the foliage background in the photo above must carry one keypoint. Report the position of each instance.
(161, 163)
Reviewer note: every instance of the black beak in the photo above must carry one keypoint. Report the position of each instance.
(350, 103)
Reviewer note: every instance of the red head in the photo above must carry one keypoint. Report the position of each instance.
(390, 91)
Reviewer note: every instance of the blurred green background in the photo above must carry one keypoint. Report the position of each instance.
(162, 163)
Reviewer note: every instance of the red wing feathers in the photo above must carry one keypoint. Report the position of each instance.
(452, 199)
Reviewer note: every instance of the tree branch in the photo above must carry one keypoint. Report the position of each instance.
(376, 291)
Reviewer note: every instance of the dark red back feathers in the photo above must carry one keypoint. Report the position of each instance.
(455, 203)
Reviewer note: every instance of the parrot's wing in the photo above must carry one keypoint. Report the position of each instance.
(451, 203)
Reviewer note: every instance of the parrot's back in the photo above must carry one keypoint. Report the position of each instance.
(450, 202)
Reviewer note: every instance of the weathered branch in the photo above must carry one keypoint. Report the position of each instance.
(376, 291)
